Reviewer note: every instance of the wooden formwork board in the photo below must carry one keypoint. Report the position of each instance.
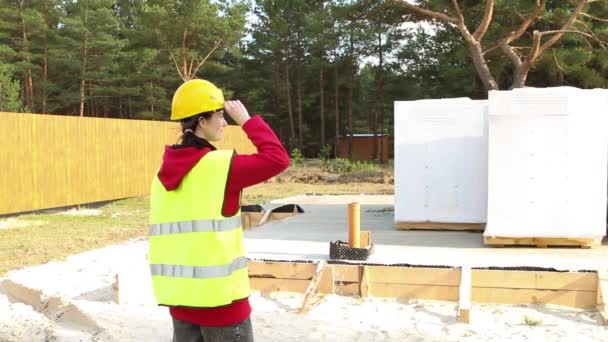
(464, 297)
(573, 289)
(249, 219)
(542, 242)
(602, 295)
(253, 219)
(475, 227)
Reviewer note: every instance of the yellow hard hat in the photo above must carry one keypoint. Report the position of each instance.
(195, 97)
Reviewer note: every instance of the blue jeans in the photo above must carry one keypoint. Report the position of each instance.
(189, 332)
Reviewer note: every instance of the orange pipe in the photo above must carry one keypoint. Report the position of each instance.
(354, 216)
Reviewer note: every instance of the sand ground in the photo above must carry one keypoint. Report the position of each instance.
(74, 300)
(77, 300)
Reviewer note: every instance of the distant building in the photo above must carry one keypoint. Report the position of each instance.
(363, 147)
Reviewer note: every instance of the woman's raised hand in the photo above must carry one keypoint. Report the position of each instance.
(237, 111)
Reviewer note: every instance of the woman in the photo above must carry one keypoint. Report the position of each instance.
(197, 256)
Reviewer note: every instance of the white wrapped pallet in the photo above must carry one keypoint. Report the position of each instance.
(547, 163)
(441, 163)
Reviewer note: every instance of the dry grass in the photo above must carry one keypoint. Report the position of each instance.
(532, 322)
(54, 236)
(47, 236)
(266, 192)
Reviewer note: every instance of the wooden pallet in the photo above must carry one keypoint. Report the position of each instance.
(542, 242)
(477, 227)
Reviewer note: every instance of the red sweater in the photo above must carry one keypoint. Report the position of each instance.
(246, 170)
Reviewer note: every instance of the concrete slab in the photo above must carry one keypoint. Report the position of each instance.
(306, 237)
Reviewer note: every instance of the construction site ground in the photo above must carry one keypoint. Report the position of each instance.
(306, 237)
(80, 299)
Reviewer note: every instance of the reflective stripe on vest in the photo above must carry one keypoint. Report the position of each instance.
(196, 226)
(185, 271)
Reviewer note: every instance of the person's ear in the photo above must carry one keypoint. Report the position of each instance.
(201, 122)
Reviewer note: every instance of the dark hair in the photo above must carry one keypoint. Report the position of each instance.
(190, 123)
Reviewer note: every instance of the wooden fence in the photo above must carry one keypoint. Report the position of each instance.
(49, 161)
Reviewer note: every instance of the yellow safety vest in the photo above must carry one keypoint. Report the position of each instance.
(197, 256)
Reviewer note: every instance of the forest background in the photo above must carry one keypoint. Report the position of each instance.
(314, 69)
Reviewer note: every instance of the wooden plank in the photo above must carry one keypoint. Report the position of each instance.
(439, 226)
(272, 284)
(415, 275)
(576, 299)
(407, 291)
(578, 290)
(542, 280)
(312, 287)
(346, 273)
(602, 295)
(346, 289)
(365, 238)
(116, 289)
(464, 300)
(542, 241)
(264, 218)
(326, 284)
(282, 270)
(364, 284)
(250, 219)
(279, 216)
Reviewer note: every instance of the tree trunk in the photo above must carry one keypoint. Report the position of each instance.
(151, 97)
(520, 75)
(299, 95)
(336, 89)
(92, 104)
(378, 99)
(30, 81)
(382, 133)
(380, 111)
(85, 38)
(479, 61)
(277, 89)
(45, 64)
(45, 61)
(28, 84)
(184, 57)
(292, 128)
(350, 98)
(322, 103)
(337, 104)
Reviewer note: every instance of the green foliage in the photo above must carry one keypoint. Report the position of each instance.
(340, 166)
(9, 91)
(438, 65)
(344, 166)
(324, 155)
(325, 152)
(369, 53)
(296, 156)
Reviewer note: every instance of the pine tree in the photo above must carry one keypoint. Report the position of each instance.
(89, 38)
(9, 91)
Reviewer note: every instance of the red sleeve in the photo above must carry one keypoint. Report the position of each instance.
(251, 169)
